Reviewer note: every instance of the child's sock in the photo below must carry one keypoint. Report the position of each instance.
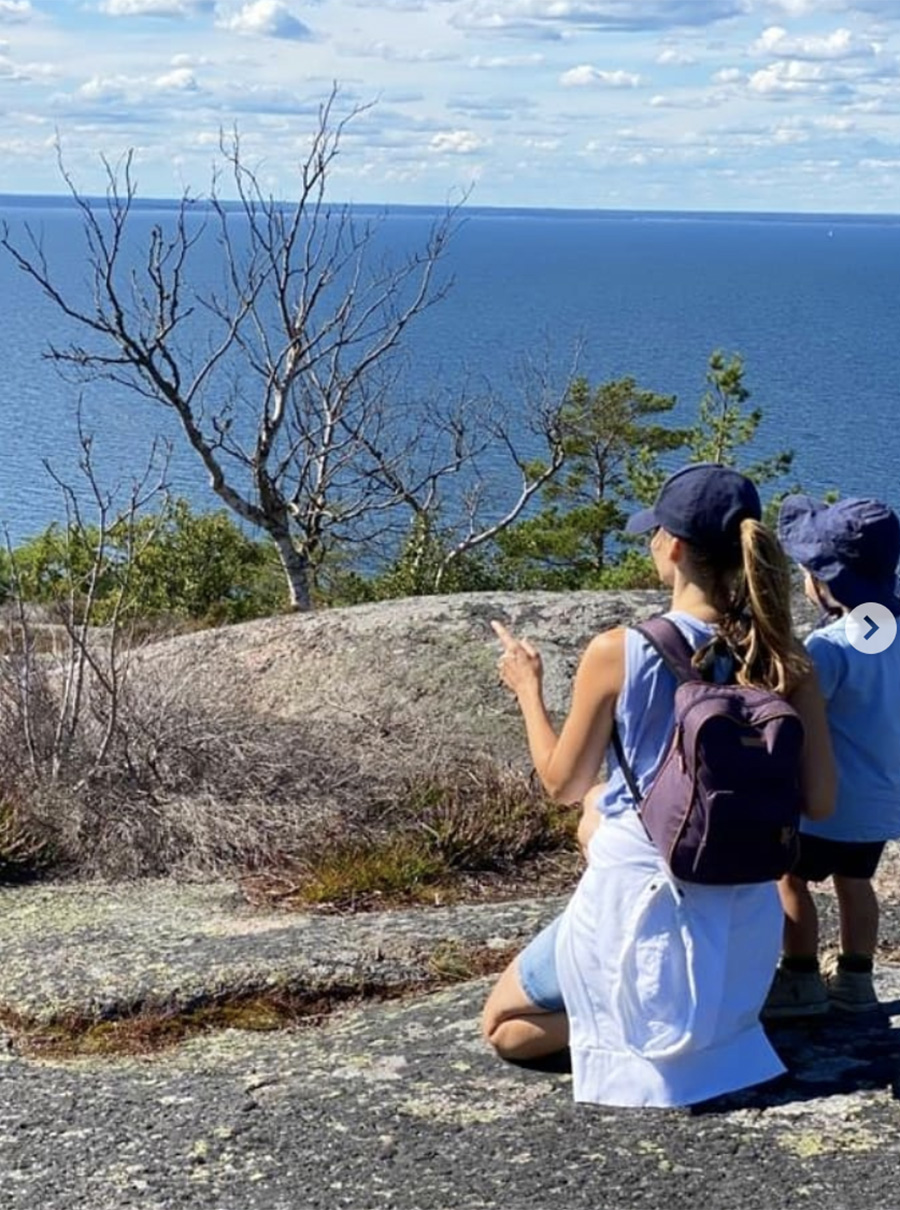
(800, 964)
(858, 964)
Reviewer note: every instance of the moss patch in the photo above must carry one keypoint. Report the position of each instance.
(149, 1030)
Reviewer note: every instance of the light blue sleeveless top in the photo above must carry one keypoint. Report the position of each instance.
(645, 712)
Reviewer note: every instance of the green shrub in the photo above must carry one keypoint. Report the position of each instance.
(181, 564)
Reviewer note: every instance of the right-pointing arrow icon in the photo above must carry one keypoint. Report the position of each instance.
(871, 627)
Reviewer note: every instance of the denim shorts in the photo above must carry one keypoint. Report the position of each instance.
(537, 970)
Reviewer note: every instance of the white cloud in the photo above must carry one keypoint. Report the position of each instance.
(686, 100)
(458, 142)
(475, 18)
(134, 89)
(789, 76)
(793, 8)
(258, 99)
(180, 79)
(786, 135)
(832, 122)
(875, 105)
(391, 53)
(585, 76)
(103, 88)
(27, 71)
(840, 44)
(155, 8)
(728, 75)
(266, 18)
(495, 108)
(493, 62)
(543, 144)
(189, 61)
(511, 16)
(670, 57)
(12, 11)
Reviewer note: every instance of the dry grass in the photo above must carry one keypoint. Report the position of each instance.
(304, 815)
(458, 828)
(180, 790)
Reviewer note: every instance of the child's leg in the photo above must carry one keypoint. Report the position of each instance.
(850, 986)
(798, 989)
(801, 920)
(818, 860)
(858, 906)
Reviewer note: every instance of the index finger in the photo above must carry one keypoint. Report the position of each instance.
(503, 635)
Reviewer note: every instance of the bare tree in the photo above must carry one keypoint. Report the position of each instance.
(284, 377)
(44, 704)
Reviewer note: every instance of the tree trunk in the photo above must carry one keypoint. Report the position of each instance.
(296, 570)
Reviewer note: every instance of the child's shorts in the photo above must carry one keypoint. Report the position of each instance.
(820, 858)
(537, 970)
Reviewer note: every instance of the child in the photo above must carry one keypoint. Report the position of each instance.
(849, 553)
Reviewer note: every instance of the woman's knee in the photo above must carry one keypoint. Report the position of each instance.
(505, 1002)
(490, 1023)
(496, 1033)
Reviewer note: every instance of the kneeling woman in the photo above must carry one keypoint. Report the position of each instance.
(656, 985)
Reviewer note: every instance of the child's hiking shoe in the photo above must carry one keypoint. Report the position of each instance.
(795, 994)
(851, 991)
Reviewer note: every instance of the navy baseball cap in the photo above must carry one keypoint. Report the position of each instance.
(703, 504)
(853, 546)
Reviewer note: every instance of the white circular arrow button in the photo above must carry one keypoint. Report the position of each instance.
(871, 628)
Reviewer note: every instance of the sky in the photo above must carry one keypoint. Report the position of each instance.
(775, 105)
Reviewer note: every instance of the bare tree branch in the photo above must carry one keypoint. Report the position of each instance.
(282, 367)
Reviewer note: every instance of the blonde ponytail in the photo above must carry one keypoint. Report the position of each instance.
(752, 595)
(770, 655)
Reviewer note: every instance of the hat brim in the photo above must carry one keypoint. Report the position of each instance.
(800, 531)
(853, 590)
(642, 522)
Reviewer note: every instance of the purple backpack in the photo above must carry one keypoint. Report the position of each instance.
(725, 806)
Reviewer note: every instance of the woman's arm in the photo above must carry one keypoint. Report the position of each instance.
(568, 763)
(818, 773)
(590, 817)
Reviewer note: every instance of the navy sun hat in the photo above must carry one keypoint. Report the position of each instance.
(853, 546)
(703, 504)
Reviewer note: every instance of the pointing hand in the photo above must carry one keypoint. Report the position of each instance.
(520, 664)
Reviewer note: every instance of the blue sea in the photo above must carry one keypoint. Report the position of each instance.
(811, 302)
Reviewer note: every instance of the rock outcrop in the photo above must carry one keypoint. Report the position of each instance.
(419, 672)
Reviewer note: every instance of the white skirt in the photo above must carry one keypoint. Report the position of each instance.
(663, 981)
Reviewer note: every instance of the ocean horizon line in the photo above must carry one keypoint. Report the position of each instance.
(63, 201)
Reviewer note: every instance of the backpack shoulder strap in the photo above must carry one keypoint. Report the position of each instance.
(677, 654)
(671, 646)
(627, 771)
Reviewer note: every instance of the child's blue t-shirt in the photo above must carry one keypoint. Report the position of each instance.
(862, 696)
